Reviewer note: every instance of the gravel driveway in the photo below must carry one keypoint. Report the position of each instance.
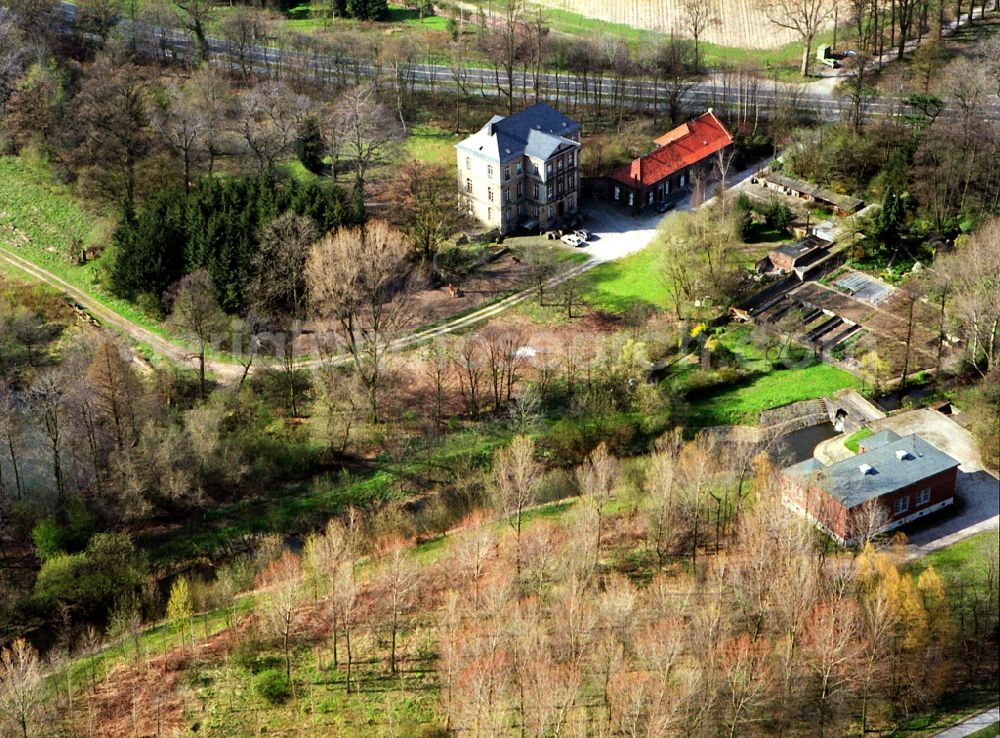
(978, 505)
(620, 231)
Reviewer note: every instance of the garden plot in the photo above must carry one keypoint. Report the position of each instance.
(845, 327)
(887, 323)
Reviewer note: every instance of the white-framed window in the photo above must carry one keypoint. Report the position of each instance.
(683, 180)
(518, 168)
(506, 172)
(489, 171)
(468, 184)
(536, 192)
(923, 497)
(900, 506)
(468, 162)
(489, 194)
(506, 195)
(650, 199)
(618, 193)
(548, 169)
(520, 189)
(570, 159)
(631, 199)
(534, 168)
(560, 164)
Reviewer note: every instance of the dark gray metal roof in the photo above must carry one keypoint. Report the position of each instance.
(801, 248)
(891, 466)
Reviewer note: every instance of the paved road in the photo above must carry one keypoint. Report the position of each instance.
(970, 726)
(820, 99)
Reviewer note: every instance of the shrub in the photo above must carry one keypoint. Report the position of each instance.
(47, 536)
(557, 484)
(272, 685)
(92, 579)
(777, 215)
(702, 382)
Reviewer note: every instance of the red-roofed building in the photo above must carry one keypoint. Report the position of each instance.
(663, 174)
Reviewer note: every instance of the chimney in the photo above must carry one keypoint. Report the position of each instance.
(637, 169)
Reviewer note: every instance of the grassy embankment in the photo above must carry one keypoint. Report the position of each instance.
(853, 441)
(41, 220)
(618, 286)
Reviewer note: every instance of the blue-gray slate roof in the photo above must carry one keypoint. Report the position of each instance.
(538, 131)
(893, 465)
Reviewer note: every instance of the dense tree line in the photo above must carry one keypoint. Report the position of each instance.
(217, 226)
(698, 607)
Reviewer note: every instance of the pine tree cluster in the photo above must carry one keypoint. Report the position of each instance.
(216, 227)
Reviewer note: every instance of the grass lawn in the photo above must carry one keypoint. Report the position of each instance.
(429, 143)
(617, 286)
(852, 442)
(778, 387)
(951, 709)
(962, 563)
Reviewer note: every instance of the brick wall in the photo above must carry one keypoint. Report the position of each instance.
(833, 516)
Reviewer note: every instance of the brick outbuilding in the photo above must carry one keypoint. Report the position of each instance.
(907, 475)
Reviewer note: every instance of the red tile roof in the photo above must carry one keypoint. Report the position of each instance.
(681, 147)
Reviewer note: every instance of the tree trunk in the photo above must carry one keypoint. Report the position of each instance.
(13, 464)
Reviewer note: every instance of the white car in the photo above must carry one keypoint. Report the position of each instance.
(583, 233)
(572, 239)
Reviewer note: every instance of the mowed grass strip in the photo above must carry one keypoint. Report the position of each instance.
(617, 286)
(743, 403)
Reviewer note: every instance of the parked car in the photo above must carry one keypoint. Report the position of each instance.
(571, 239)
(583, 233)
(665, 206)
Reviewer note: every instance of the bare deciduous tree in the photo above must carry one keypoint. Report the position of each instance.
(515, 480)
(358, 279)
(367, 130)
(21, 688)
(195, 312)
(281, 603)
(806, 17)
(598, 477)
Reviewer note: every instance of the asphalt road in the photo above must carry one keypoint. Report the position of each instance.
(821, 101)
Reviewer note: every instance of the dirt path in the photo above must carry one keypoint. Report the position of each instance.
(227, 371)
(109, 318)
